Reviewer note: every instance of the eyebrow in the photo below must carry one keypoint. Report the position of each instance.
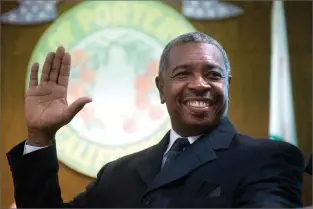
(188, 66)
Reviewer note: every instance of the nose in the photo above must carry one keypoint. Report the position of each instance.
(199, 84)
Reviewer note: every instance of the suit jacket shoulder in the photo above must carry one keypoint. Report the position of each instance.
(129, 161)
(273, 173)
(265, 147)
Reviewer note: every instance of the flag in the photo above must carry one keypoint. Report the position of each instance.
(281, 123)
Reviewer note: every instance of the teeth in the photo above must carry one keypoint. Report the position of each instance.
(198, 104)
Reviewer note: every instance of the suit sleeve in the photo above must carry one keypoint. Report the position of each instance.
(275, 179)
(35, 179)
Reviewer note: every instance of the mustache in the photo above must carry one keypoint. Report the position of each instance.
(205, 96)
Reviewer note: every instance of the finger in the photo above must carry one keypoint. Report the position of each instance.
(65, 70)
(55, 70)
(47, 67)
(75, 107)
(33, 79)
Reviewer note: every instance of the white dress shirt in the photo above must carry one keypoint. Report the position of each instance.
(29, 148)
(173, 137)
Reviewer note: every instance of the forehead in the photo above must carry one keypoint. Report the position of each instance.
(195, 53)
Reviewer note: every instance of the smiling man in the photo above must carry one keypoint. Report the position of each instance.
(193, 82)
(201, 162)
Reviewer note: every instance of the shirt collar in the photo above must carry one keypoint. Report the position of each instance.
(174, 136)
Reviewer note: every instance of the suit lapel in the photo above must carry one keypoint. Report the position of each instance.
(150, 163)
(200, 152)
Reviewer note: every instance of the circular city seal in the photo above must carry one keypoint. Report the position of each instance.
(115, 48)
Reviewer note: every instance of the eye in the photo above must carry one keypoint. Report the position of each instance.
(214, 75)
(182, 74)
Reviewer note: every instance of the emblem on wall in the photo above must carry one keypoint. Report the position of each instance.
(32, 12)
(115, 48)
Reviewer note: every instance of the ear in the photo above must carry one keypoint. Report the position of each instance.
(229, 79)
(160, 84)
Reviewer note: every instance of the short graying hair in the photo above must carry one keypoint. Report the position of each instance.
(195, 37)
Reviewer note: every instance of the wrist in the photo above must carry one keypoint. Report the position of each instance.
(39, 138)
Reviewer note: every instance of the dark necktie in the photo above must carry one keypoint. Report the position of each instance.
(177, 148)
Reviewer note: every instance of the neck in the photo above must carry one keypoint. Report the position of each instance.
(186, 130)
(191, 130)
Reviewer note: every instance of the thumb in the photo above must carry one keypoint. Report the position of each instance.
(75, 107)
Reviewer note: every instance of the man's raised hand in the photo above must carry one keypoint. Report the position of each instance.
(46, 107)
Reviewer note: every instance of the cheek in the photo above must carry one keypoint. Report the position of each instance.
(173, 92)
(220, 89)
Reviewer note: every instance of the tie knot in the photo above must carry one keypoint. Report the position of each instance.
(180, 144)
(177, 148)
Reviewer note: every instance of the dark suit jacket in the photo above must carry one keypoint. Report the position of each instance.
(221, 169)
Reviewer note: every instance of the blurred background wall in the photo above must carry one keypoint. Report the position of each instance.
(247, 41)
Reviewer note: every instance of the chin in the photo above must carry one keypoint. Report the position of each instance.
(207, 119)
(194, 126)
(194, 121)
(197, 120)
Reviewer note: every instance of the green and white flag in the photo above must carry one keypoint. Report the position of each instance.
(281, 124)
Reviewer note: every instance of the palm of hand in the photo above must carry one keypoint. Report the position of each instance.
(46, 107)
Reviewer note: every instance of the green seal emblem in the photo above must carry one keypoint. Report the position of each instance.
(115, 48)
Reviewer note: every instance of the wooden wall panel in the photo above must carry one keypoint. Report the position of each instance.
(247, 41)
